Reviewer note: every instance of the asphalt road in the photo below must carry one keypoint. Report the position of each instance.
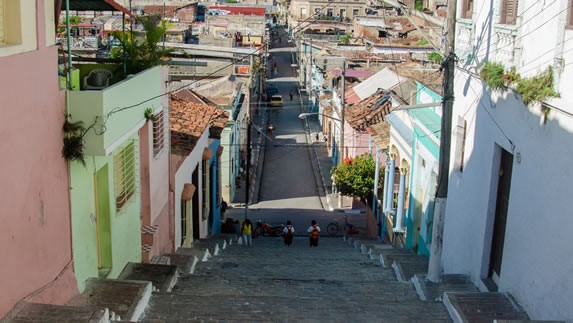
(288, 188)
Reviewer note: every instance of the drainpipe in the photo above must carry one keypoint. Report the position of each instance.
(68, 42)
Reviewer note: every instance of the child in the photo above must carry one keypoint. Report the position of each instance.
(288, 233)
(314, 233)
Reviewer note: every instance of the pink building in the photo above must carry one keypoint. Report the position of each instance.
(35, 235)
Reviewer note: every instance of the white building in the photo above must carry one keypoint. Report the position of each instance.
(508, 218)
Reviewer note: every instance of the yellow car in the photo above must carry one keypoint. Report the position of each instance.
(276, 101)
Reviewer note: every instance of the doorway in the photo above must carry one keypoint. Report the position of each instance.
(195, 205)
(185, 220)
(103, 221)
(500, 220)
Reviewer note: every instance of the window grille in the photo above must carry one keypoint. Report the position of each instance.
(158, 132)
(2, 31)
(124, 175)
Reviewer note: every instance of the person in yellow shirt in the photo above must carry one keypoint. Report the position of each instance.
(247, 232)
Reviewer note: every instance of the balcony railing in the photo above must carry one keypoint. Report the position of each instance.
(115, 111)
(504, 39)
(464, 40)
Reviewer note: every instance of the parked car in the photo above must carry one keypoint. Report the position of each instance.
(276, 101)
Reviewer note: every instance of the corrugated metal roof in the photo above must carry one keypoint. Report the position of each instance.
(385, 79)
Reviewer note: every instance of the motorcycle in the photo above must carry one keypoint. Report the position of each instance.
(273, 230)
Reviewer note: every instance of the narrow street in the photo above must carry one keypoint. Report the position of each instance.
(272, 282)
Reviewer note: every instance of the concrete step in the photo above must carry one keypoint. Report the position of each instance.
(310, 308)
(126, 298)
(35, 312)
(429, 291)
(163, 277)
(405, 269)
(482, 307)
(272, 282)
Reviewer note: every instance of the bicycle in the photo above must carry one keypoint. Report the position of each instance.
(333, 228)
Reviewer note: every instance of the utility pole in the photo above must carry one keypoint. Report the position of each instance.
(434, 267)
(248, 167)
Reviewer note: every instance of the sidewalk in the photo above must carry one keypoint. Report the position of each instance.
(322, 162)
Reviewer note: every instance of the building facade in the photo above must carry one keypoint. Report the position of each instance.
(34, 199)
(510, 168)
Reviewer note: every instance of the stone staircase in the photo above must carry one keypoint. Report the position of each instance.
(463, 300)
(121, 299)
(271, 282)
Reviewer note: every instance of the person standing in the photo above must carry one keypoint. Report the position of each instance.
(288, 233)
(314, 233)
(316, 136)
(247, 232)
(291, 94)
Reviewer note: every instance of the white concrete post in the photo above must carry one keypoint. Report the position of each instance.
(400, 211)
(390, 193)
(385, 193)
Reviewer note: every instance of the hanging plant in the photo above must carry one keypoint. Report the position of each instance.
(492, 74)
(73, 148)
(537, 88)
(148, 114)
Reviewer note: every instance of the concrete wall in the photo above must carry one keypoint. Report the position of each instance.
(34, 199)
(536, 267)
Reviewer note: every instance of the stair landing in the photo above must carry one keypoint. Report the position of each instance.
(482, 307)
(125, 298)
(35, 312)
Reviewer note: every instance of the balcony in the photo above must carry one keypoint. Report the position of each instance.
(504, 39)
(465, 40)
(115, 110)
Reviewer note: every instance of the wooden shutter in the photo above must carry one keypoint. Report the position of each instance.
(468, 9)
(509, 12)
(2, 37)
(570, 15)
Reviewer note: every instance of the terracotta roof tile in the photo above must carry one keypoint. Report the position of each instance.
(189, 120)
(370, 111)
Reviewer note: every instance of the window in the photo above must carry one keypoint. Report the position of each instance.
(355, 12)
(303, 12)
(158, 132)
(467, 9)
(124, 175)
(460, 144)
(508, 12)
(330, 12)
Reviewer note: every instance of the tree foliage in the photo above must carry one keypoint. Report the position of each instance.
(142, 54)
(355, 177)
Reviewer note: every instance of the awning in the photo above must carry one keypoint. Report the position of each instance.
(207, 153)
(188, 191)
(95, 5)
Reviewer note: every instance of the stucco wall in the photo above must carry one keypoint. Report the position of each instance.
(536, 267)
(125, 225)
(183, 174)
(34, 199)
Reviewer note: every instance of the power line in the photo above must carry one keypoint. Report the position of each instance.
(119, 109)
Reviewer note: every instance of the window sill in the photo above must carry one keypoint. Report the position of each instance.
(12, 49)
